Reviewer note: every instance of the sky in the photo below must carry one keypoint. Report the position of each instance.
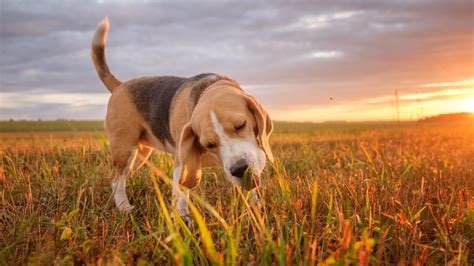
(305, 60)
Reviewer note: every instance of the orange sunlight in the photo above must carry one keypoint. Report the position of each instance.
(449, 97)
(468, 105)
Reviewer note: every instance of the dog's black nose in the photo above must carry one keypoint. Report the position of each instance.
(239, 169)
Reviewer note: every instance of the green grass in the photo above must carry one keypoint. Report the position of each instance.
(280, 127)
(338, 195)
(59, 125)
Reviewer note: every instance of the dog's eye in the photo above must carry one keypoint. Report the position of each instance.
(241, 126)
(210, 145)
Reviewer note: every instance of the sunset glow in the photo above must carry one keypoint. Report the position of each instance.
(468, 105)
(445, 97)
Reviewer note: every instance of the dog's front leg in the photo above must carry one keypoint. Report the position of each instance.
(180, 198)
(255, 198)
(120, 195)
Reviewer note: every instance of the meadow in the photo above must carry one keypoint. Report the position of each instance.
(337, 194)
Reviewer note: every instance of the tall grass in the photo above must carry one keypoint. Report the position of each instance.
(333, 196)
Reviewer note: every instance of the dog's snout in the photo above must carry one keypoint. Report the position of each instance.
(239, 169)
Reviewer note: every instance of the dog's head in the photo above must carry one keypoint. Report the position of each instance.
(234, 128)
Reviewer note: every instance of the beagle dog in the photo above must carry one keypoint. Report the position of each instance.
(206, 120)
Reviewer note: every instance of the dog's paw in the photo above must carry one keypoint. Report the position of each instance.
(185, 216)
(125, 207)
(255, 200)
(188, 220)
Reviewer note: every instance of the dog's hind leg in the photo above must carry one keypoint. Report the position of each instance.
(122, 171)
(123, 125)
(124, 150)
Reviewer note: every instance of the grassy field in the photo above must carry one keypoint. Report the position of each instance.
(347, 194)
(281, 127)
(45, 126)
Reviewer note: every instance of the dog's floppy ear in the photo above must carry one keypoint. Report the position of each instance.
(189, 154)
(264, 125)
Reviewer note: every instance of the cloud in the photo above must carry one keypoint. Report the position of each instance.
(423, 96)
(311, 22)
(16, 100)
(326, 54)
(294, 54)
(461, 83)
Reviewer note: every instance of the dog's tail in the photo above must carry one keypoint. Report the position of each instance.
(98, 56)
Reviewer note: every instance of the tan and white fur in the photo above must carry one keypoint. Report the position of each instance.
(206, 120)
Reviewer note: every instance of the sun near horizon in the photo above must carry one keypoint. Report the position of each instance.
(442, 98)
